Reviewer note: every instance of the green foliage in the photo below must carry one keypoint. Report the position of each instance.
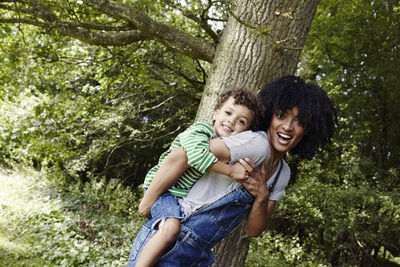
(275, 249)
(347, 223)
(87, 112)
(344, 204)
(94, 224)
(353, 49)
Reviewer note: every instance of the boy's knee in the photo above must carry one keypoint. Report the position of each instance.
(170, 229)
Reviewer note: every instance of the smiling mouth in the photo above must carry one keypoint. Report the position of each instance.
(285, 137)
(227, 128)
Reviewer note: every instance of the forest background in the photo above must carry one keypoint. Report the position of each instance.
(92, 119)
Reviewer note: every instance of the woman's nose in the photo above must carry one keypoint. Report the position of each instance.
(288, 125)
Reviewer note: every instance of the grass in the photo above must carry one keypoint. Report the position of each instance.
(17, 199)
(87, 226)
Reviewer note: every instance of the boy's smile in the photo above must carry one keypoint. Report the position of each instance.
(231, 118)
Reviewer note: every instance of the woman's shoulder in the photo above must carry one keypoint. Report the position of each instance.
(285, 169)
(247, 138)
(248, 144)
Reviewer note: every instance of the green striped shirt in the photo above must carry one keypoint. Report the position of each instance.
(195, 141)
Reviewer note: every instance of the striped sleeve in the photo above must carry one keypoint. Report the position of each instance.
(195, 141)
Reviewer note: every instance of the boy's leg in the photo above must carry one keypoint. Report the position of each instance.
(167, 233)
(166, 215)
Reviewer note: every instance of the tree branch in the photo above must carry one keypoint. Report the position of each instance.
(94, 38)
(178, 72)
(172, 38)
(202, 20)
(141, 27)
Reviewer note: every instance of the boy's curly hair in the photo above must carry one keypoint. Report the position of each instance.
(243, 96)
(316, 111)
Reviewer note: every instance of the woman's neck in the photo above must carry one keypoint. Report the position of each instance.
(275, 155)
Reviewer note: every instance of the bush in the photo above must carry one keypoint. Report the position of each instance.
(347, 225)
(93, 225)
(275, 249)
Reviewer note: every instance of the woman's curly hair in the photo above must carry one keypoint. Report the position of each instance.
(243, 96)
(316, 111)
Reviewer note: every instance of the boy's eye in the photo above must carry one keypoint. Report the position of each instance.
(228, 113)
(242, 122)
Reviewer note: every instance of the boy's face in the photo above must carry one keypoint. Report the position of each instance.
(231, 119)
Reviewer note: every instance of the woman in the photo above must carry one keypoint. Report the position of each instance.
(298, 117)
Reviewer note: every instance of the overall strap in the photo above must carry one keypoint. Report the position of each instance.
(272, 186)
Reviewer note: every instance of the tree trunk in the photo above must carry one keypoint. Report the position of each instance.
(233, 249)
(261, 42)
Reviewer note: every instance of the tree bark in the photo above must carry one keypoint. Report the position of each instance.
(261, 42)
(233, 249)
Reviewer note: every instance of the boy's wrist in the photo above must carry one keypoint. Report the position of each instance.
(222, 168)
(230, 171)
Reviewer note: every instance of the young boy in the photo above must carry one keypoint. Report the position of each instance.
(236, 111)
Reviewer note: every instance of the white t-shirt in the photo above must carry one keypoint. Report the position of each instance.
(212, 186)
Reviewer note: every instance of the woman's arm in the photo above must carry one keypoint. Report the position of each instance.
(263, 208)
(258, 219)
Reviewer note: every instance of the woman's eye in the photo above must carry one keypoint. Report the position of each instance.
(228, 113)
(280, 115)
(299, 124)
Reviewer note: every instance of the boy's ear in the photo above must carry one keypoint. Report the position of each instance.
(215, 114)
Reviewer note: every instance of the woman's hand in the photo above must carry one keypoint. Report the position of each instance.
(263, 208)
(256, 184)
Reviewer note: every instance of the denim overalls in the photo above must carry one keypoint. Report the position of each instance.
(201, 231)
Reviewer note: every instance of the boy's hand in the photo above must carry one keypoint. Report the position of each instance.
(145, 207)
(238, 172)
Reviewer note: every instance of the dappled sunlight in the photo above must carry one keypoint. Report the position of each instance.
(19, 202)
(17, 193)
(9, 244)
(39, 227)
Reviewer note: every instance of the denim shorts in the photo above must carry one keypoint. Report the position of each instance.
(166, 206)
(199, 232)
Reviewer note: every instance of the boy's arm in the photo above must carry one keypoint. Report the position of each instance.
(174, 165)
(177, 162)
(193, 152)
(221, 151)
(198, 142)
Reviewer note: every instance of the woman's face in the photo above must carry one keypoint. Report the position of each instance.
(284, 132)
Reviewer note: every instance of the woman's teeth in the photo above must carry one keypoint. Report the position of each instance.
(284, 136)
